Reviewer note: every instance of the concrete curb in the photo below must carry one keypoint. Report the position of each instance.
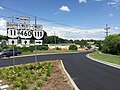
(69, 77)
(104, 62)
(43, 54)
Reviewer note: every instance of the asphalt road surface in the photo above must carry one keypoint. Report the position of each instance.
(87, 74)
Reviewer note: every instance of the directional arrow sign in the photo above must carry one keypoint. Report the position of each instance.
(25, 42)
(38, 42)
(12, 41)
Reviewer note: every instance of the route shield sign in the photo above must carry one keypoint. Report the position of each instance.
(12, 33)
(38, 42)
(25, 33)
(38, 34)
(25, 42)
(12, 41)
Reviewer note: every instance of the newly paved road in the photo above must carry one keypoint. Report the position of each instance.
(87, 74)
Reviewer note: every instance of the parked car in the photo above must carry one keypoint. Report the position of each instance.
(9, 52)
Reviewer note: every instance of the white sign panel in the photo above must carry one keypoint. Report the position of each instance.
(12, 33)
(37, 27)
(12, 41)
(25, 42)
(12, 25)
(38, 42)
(24, 26)
(25, 33)
(38, 34)
(24, 19)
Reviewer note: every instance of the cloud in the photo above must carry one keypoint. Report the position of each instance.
(110, 15)
(1, 8)
(116, 28)
(98, 0)
(65, 8)
(68, 32)
(114, 3)
(82, 1)
(73, 33)
(3, 26)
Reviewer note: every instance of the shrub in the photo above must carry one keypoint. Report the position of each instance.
(39, 84)
(111, 44)
(72, 47)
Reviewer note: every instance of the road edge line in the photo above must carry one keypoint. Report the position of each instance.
(69, 77)
(104, 62)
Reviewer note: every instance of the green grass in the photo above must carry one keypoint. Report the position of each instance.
(106, 57)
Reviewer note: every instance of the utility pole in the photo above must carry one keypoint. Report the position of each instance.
(55, 39)
(106, 30)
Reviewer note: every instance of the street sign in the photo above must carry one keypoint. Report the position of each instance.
(12, 41)
(24, 26)
(38, 42)
(38, 34)
(37, 27)
(12, 33)
(25, 33)
(24, 19)
(25, 42)
(12, 25)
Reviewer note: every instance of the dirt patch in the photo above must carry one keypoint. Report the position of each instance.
(58, 79)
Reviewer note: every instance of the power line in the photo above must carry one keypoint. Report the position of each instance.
(38, 17)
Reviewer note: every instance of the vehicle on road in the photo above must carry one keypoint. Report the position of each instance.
(10, 52)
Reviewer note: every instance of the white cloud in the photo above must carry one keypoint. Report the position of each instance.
(65, 8)
(82, 1)
(110, 15)
(114, 3)
(98, 0)
(116, 28)
(1, 8)
(3, 26)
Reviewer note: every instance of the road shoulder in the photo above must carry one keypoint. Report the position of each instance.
(104, 62)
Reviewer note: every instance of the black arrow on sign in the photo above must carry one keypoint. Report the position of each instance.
(13, 42)
(39, 42)
(25, 42)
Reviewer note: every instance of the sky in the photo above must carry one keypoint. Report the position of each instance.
(73, 19)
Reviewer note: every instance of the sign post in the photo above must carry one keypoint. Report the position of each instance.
(24, 33)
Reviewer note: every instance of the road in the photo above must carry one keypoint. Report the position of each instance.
(87, 74)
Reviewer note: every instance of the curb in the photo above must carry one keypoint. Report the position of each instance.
(104, 62)
(43, 54)
(69, 77)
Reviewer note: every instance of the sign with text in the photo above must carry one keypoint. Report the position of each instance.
(12, 25)
(25, 33)
(25, 19)
(38, 34)
(12, 33)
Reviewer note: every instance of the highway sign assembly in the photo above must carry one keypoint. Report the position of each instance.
(23, 32)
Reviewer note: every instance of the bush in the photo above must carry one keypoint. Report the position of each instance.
(111, 44)
(72, 47)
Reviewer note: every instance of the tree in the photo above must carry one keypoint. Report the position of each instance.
(112, 44)
(72, 47)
